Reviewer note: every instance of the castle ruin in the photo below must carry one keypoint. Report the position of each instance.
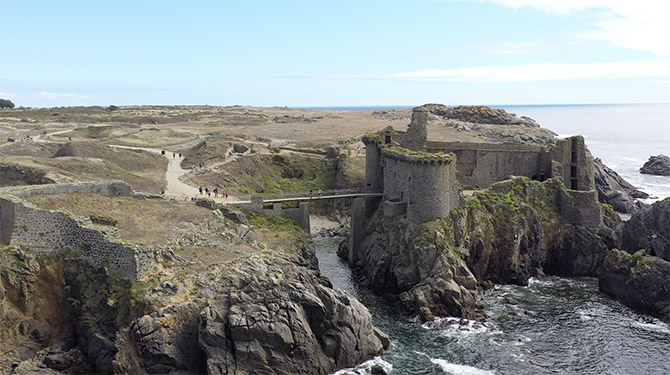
(422, 178)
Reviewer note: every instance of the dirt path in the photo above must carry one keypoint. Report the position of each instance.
(175, 188)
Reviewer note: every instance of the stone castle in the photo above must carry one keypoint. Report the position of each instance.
(422, 179)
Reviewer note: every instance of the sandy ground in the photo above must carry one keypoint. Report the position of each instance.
(317, 222)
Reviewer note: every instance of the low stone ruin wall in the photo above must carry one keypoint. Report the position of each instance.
(47, 232)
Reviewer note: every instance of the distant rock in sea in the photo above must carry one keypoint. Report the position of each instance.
(657, 165)
(614, 190)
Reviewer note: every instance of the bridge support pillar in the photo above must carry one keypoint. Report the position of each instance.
(256, 203)
(356, 231)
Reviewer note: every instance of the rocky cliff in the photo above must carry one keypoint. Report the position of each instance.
(269, 312)
(649, 230)
(517, 229)
(615, 191)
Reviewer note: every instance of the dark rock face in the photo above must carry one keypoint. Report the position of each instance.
(240, 148)
(66, 150)
(11, 174)
(293, 324)
(418, 265)
(650, 230)
(640, 281)
(615, 191)
(657, 165)
(234, 215)
(168, 340)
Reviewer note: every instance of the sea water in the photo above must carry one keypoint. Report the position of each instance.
(559, 325)
(623, 136)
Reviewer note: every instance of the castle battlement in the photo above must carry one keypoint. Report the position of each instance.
(409, 156)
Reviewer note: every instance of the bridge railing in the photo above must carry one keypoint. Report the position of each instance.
(299, 194)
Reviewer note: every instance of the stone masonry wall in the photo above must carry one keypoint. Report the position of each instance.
(105, 188)
(7, 214)
(480, 164)
(428, 184)
(52, 232)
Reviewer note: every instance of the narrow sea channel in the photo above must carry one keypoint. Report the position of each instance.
(557, 326)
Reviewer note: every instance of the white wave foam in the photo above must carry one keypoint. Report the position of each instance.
(364, 368)
(452, 326)
(455, 369)
(656, 326)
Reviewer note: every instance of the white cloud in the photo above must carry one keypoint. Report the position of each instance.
(59, 95)
(531, 72)
(641, 25)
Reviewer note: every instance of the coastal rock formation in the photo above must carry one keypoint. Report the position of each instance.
(419, 265)
(479, 114)
(291, 322)
(638, 280)
(517, 229)
(657, 165)
(615, 191)
(271, 314)
(650, 230)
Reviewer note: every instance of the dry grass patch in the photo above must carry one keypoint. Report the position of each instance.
(139, 221)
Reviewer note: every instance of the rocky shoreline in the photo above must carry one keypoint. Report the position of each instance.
(514, 231)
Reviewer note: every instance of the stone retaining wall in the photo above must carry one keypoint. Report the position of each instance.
(53, 232)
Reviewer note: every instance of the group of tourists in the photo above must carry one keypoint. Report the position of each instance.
(214, 191)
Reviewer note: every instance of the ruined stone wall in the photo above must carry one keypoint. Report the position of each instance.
(573, 163)
(580, 208)
(300, 214)
(374, 174)
(480, 164)
(52, 232)
(417, 133)
(7, 213)
(105, 188)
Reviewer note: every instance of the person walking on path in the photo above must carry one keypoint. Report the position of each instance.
(319, 192)
(200, 190)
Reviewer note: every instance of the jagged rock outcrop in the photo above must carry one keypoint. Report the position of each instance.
(657, 165)
(291, 322)
(518, 229)
(167, 340)
(638, 280)
(271, 314)
(649, 229)
(615, 191)
(420, 265)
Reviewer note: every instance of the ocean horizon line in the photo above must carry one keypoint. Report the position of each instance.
(405, 106)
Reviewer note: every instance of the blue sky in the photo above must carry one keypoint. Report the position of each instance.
(333, 53)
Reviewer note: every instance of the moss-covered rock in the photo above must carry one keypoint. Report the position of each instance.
(638, 280)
